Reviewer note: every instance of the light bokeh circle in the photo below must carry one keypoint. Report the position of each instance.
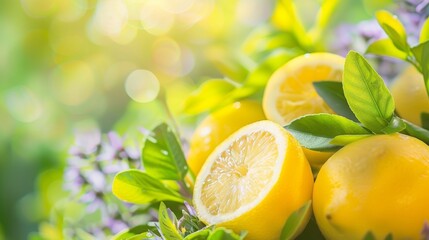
(142, 86)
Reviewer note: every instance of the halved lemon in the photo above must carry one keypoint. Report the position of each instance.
(253, 181)
(290, 93)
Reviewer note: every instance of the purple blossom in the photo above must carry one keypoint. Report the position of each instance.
(370, 31)
(115, 225)
(96, 179)
(86, 142)
(93, 162)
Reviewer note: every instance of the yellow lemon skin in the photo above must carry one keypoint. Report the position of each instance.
(287, 193)
(410, 96)
(378, 184)
(290, 93)
(217, 126)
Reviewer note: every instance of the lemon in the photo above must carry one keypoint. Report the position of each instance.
(253, 181)
(217, 126)
(290, 93)
(410, 96)
(378, 184)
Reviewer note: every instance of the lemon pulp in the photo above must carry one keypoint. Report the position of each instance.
(240, 173)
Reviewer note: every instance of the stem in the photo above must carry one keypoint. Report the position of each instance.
(170, 116)
(185, 191)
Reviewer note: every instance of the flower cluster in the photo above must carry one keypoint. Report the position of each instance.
(412, 13)
(93, 161)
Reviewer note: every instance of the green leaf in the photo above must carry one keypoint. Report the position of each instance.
(231, 68)
(262, 73)
(138, 232)
(385, 47)
(162, 155)
(208, 96)
(424, 33)
(389, 237)
(424, 117)
(323, 19)
(343, 140)
(311, 231)
(83, 235)
(396, 124)
(366, 93)
(295, 221)
(417, 132)
(287, 18)
(332, 93)
(190, 223)
(263, 40)
(168, 225)
(394, 29)
(198, 235)
(224, 234)
(421, 53)
(137, 187)
(369, 236)
(316, 131)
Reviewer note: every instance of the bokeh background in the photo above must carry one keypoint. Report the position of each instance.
(72, 64)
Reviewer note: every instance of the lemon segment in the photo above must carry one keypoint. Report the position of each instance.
(253, 181)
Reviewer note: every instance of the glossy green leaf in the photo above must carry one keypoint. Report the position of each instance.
(137, 187)
(417, 132)
(224, 234)
(208, 96)
(162, 155)
(332, 93)
(316, 131)
(343, 140)
(424, 33)
(295, 221)
(167, 223)
(198, 235)
(394, 29)
(424, 117)
(385, 47)
(366, 93)
(138, 232)
(396, 124)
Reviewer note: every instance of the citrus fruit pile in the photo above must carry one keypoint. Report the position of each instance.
(253, 175)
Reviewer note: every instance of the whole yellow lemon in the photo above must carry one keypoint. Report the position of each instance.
(409, 93)
(378, 184)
